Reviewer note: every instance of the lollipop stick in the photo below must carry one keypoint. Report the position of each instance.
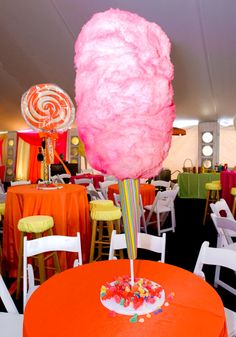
(131, 272)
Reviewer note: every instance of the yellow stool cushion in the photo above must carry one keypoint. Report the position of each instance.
(104, 205)
(233, 191)
(113, 213)
(2, 208)
(35, 223)
(213, 186)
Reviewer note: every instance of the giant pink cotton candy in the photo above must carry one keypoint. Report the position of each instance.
(124, 95)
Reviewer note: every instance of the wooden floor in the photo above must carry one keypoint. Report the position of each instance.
(182, 247)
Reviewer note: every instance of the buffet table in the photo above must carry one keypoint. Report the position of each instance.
(68, 206)
(192, 185)
(68, 304)
(147, 192)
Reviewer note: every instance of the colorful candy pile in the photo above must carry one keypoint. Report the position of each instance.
(124, 294)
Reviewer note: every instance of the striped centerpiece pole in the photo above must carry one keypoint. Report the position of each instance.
(129, 199)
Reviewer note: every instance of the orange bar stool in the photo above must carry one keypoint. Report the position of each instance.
(103, 211)
(213, 194)
(37, 226)
(233, 193)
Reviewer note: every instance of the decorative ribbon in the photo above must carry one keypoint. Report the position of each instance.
(129, 198)
(50, 141)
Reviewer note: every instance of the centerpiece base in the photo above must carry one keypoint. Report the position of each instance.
(142, 298)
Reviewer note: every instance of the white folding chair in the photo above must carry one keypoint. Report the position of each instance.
(218, 257)
(222, 225)
(57, 179)
(43, 245)
(64, 176)
(11, 322)
(104, 186)
(221, 209)
(95, 195)
(161, 183)
(83, 181)
(145, 241)
(20, 182)
(142, 223)
(162, 205)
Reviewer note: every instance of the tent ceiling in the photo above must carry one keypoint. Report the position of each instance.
(37, 46)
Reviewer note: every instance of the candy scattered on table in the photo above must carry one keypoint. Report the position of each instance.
(141, 320)
(134, 318)
(112, 314)
(124, 294)
(158, 311)
(166, 304)
(148, 315)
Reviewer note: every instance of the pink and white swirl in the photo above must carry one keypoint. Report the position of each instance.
(46, 107)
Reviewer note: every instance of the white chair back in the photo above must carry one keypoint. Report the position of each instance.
(57, 179)
(220, 206)
(161, 183)
(43, 245)
(96, 195)
(162, 205)
(83, 181)
(145, 241)
(224, 258)
(6, 297)
(11, 322)
(64, 176)
(104, 186)
(20, 182)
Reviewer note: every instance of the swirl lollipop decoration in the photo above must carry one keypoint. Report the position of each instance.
(48, 109)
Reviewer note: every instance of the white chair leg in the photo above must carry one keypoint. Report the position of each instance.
(158, 224)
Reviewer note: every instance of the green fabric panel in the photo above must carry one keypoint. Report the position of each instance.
(192, 185)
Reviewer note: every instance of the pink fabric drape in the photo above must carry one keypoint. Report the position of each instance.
(35, 141)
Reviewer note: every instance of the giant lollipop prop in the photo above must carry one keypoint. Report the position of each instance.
(48, 109)
(124, 98)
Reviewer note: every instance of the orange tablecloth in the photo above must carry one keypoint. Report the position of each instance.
(68, 304)
(147, 192)
(68, 206)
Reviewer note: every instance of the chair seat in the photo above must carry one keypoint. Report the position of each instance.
(161, 208)
(11, 325)
(35, 223)
(213, 186)
(2, 208)
(112, 214)
(103, 205)
(233, 191)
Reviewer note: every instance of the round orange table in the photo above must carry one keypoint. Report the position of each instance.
(68, 206)
(68, 304)
(147, 192)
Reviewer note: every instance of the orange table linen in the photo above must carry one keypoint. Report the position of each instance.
(147, 192)
(69, 304)
(68, 206)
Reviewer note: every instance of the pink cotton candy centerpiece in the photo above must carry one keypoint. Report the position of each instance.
(124, 95)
